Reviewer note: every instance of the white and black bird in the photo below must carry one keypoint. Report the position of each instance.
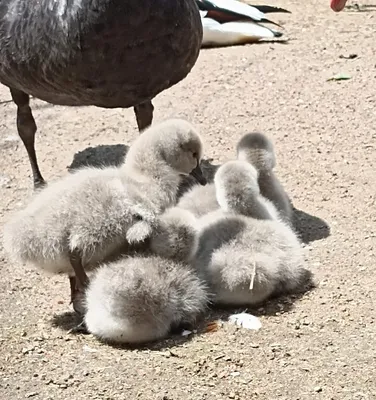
(231, 22)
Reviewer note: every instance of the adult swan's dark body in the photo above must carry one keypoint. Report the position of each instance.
(106, 53)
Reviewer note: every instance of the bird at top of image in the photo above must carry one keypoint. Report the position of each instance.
(232, 22)
(337, 5)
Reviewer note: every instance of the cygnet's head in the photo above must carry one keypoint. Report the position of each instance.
(236, 185)
(176, 236)
(258, 150)
(175, 143)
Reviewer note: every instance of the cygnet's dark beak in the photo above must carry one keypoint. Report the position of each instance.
(199, 176)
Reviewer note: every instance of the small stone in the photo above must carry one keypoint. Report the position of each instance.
(27, 350)
(232, 395)
(317, 389)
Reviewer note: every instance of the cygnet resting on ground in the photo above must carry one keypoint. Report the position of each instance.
(78, 221)
(246, 260)
(141, 299)
(237, 191)
(258, 150)
(202, 199)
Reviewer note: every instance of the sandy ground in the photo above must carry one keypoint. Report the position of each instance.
(319, 346)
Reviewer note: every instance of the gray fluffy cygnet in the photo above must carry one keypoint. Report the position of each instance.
(246, 258)
(237, 191)
(202, 199)
(77, 222)
(141, 299)
(258, 150)
(243, 254)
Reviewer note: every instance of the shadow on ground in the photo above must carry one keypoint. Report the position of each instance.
(99, 156)
(66, 321)
(69, 321)
(309, 227)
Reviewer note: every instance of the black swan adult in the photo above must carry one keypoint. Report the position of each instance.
(106, 53)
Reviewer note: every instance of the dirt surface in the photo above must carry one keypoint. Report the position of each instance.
(320, 346)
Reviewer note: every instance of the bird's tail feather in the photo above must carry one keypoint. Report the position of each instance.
(268, 9)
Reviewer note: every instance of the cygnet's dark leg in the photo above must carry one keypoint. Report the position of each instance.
(26, 129)
(72, 283)
(79, 281)
(144, 115)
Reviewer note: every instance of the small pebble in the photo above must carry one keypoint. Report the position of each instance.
(318, 389)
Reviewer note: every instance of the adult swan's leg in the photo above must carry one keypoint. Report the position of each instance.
(26, 129)
(144, 115)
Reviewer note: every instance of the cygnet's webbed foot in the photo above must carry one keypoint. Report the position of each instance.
(77, 296)
(78, 302)
(39, 184)
(81, 328)
(78, 283)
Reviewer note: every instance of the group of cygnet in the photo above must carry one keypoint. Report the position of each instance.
(156, 262)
